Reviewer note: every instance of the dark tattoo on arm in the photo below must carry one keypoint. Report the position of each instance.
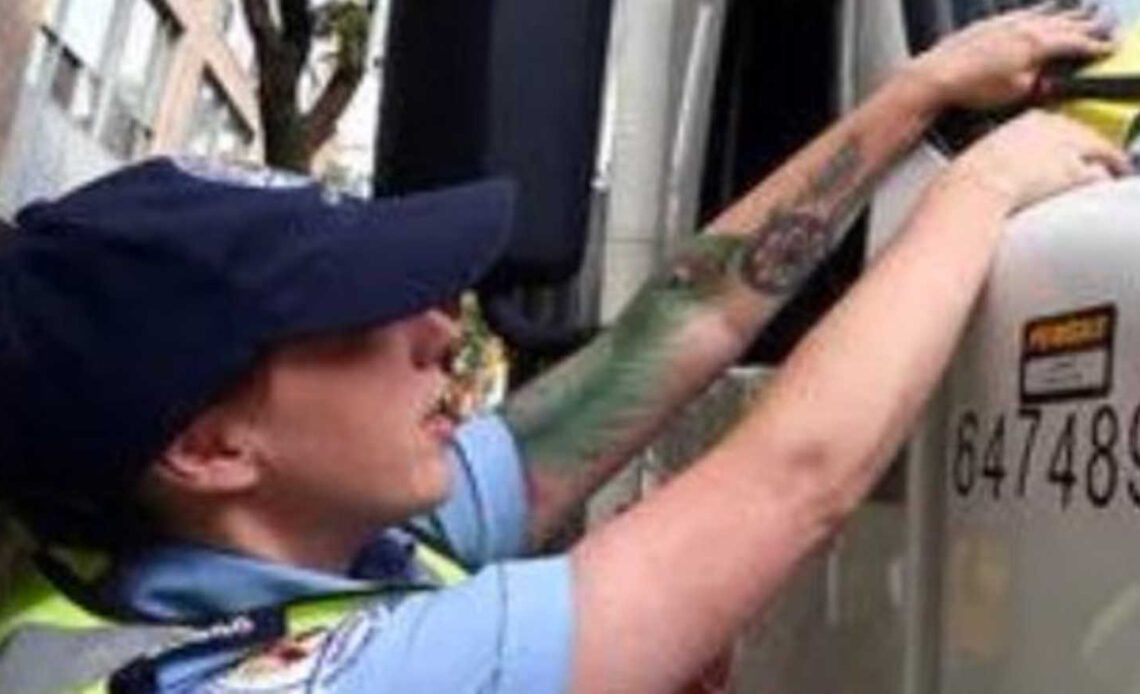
(785, 251)
(795, 239)
(587, 407)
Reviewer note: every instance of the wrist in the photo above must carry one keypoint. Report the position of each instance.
(964, 188)
(922, 87)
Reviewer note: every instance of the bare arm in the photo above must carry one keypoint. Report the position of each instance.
(662, 587)
(582, 421)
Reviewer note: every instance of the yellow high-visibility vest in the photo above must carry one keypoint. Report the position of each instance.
(51, 643)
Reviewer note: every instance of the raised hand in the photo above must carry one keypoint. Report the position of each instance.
(1035, 156)
(996, 61)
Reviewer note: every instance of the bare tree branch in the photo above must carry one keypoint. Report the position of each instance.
(283, 51)
(279, 66)
(320, 122)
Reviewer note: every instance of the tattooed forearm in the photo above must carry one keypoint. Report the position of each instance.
(589, 406)
(593, 404)
(579, 423)
(794, 239)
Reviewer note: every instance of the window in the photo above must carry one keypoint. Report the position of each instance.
(145, 54)
(68, 53)
(104, 63)
(231, 24)
(217, 131)
(86, 31)
(75, 88)
(142, 64)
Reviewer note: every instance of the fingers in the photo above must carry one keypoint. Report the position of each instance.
(1050, 45)
(1080, 171)
(1094, 149)
(1091, 173)
(1041, 154)
(1049, 33)
(1090, 20)
(1055, 36)
(1097, 26)
(1091, 156)
(996, 61)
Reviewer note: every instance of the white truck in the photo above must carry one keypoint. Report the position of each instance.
(1009, 560)
(1024, 477)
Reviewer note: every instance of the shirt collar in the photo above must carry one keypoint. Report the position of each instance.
(181, 581)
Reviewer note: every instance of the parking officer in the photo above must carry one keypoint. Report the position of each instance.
(221, 414)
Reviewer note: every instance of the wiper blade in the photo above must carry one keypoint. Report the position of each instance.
(1054, 88)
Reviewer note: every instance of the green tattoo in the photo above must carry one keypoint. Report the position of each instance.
(587, 406)
(592, 404)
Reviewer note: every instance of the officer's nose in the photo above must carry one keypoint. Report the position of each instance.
(437, 337)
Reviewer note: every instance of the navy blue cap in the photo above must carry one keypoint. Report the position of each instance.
(129, 305)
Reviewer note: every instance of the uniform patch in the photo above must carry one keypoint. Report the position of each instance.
(285, 666)
(312, 662)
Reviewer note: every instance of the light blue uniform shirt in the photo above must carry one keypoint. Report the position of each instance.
(506, 629)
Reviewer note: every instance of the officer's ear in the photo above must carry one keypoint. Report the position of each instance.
(218, 453)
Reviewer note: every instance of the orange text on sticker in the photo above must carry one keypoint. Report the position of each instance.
(1068, 334)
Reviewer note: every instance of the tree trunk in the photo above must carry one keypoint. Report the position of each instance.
(281, 120)
(293, 138)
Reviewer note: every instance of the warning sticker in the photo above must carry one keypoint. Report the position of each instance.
(1068, 356)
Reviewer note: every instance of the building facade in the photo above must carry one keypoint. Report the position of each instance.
(86, 85)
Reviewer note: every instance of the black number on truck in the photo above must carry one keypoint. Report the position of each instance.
(1134, 452)
(1082, 455)
(993, 460)
(1103, 470)
(965, 455)
(1061, 463)
(1033, 415)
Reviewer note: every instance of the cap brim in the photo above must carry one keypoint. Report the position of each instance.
(375, 262)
